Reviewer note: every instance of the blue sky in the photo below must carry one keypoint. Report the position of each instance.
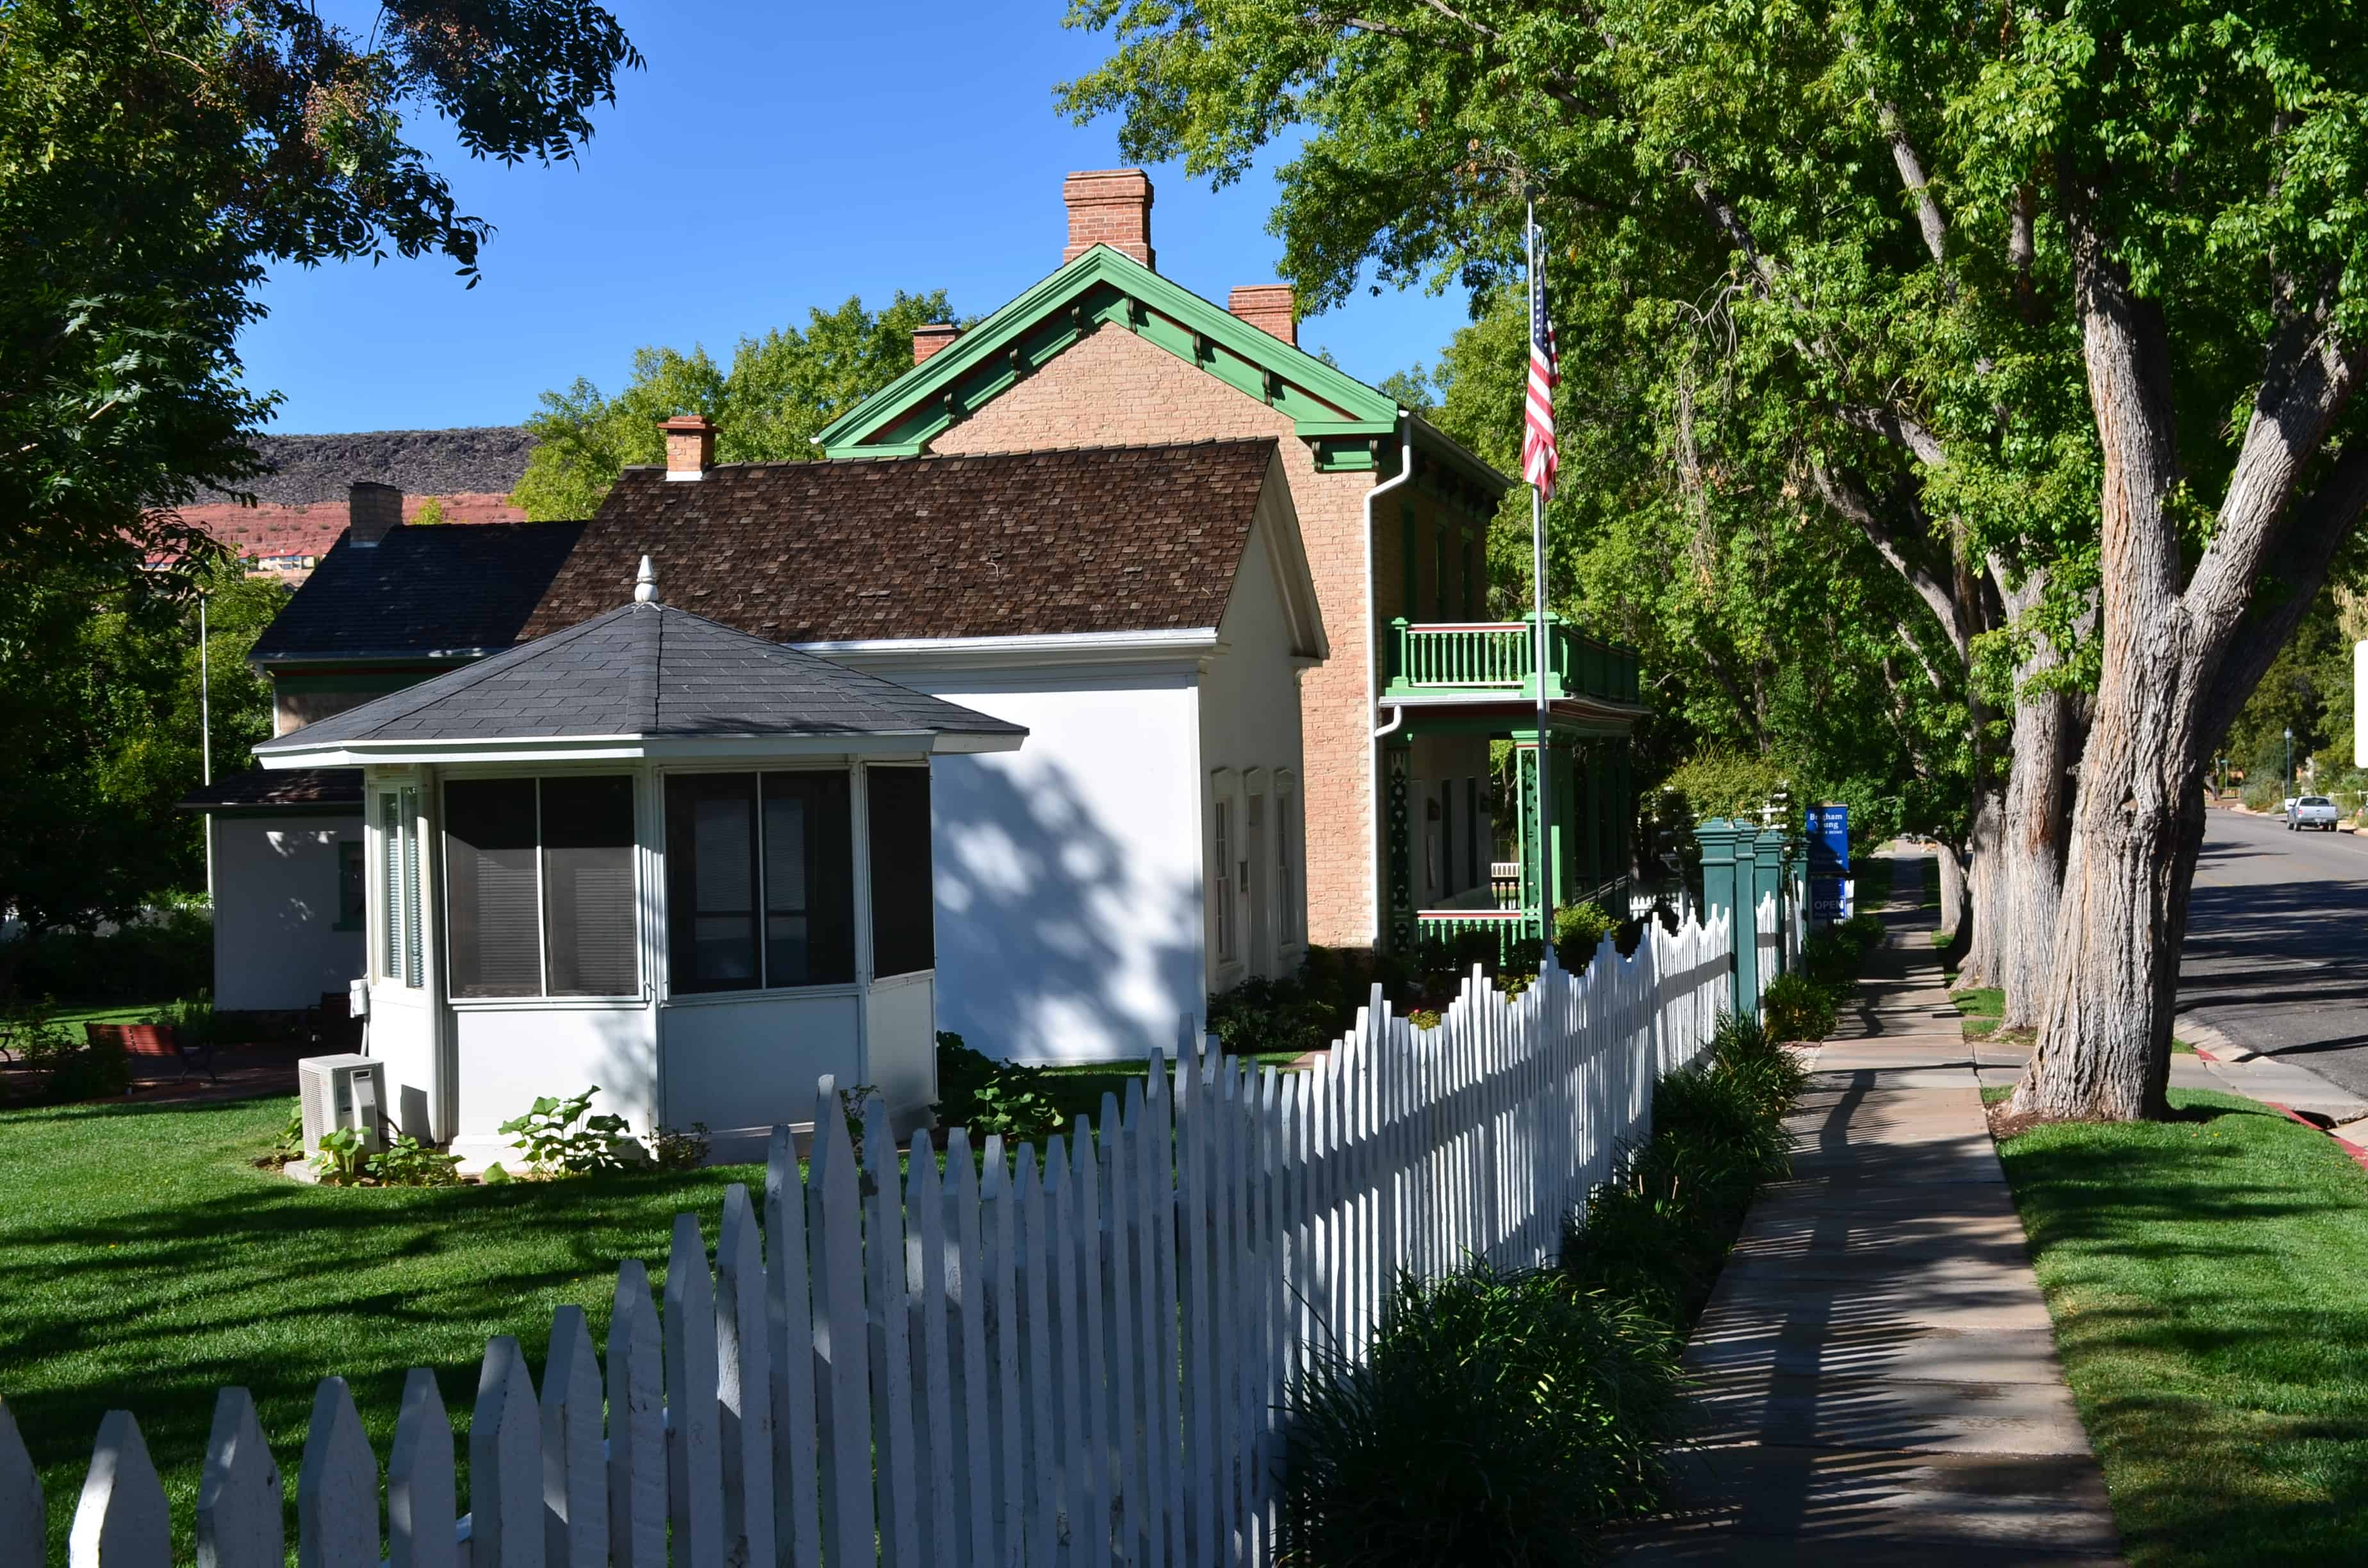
(769, 158)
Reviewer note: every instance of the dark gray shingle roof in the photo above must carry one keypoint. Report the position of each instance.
(647, 670)
(420, 593)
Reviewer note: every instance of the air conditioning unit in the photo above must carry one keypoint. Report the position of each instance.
(341, 1091)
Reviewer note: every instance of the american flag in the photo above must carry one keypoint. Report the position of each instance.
(1538, 456)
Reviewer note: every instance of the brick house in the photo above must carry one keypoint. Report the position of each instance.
(1237, 597)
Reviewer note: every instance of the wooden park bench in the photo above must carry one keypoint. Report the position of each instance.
(144, 1043)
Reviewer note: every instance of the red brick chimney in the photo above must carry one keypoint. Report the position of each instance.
(1267, 307)
(372, 511)
(1108, 207)
(928, 339)
(690, 446)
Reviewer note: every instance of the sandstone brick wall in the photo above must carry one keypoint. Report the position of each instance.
(1114, 389)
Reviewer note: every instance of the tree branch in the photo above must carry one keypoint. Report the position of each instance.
(1898, 429)
(1911, 175)
(2308, 379)
(2323, 522)
(1850, 501)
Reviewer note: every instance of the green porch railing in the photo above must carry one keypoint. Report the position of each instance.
(1498, 656)
(1445, 930)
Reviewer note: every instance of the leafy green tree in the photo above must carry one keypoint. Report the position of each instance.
(781, 389)
(103, 736)
(156, 157)
(2060, 308)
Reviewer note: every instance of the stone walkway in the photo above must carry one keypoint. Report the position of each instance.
(1877, 1380)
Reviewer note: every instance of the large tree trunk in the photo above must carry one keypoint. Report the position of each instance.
(2164, 697)
(1952, 887)
(1981, 965)
(2034, 830)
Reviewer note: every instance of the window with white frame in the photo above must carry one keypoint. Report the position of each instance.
(760, 880)
(399, 959)
(1228, 935)
(539, 887)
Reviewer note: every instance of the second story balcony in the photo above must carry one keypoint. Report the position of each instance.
(1495, 660)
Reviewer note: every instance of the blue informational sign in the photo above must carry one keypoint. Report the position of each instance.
(1829, 885)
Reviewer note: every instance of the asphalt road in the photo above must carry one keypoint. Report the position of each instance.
(2277, 944)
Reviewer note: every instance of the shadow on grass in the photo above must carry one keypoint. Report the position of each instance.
(2204, 1274)
(144, 1264)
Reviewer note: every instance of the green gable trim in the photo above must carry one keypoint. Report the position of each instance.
(1100, 288)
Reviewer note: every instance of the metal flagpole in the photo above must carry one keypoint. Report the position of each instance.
(1543, 661)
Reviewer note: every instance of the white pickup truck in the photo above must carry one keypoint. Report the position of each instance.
(2312, 811)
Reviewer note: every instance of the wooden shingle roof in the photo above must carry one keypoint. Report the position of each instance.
(1041, 544)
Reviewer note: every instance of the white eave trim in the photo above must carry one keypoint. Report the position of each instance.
(632, 748)
(1004, 653)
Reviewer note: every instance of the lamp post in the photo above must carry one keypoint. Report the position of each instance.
(206, 740)
(2289, 759)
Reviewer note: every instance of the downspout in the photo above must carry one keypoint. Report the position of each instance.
(1373, 667)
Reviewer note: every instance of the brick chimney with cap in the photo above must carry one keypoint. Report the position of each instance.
(690, 446)
(1108, 207)
(1267, 307)
(928, 339)
(372, 511)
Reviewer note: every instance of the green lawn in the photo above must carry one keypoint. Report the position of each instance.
(144, 1263)
(2209, 1282)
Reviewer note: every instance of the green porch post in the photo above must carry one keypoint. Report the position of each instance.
(1536, 863)
(1397, 765)
(1726, 885)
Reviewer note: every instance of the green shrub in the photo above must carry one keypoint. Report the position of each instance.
(674, 1149)
(72, 1068)
(1656, 1234)
(1580, 930)
(340, 1160)
(193, 1020)
(988, 1097)
(1498, 1418)
(1865, 928)
(1271, 1015)
(1797, 1007)
(407, 1162)
(169, 953)
(554, 1141)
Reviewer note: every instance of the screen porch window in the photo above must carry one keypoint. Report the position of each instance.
(539, 895)
(399, 959)
(760, 880)
(904, 936)
(1227, 941)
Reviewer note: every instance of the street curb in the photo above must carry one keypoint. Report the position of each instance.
(2359, 1155)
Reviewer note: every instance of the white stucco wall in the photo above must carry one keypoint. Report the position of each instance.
(276, 945)
(1069, 872)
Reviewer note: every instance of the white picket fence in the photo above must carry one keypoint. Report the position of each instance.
(1074, 1358)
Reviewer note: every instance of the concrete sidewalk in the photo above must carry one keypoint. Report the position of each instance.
(1877, 1380)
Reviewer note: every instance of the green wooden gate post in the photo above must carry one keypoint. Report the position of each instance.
(1726, 885)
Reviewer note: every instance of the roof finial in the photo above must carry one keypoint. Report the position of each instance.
(646, 584)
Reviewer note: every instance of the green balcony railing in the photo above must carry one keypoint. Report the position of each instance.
(1500, 657)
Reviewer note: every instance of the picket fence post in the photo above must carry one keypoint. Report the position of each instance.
(24, 1518)
(238, 1520)
(122, 1521)
(421, 1498)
